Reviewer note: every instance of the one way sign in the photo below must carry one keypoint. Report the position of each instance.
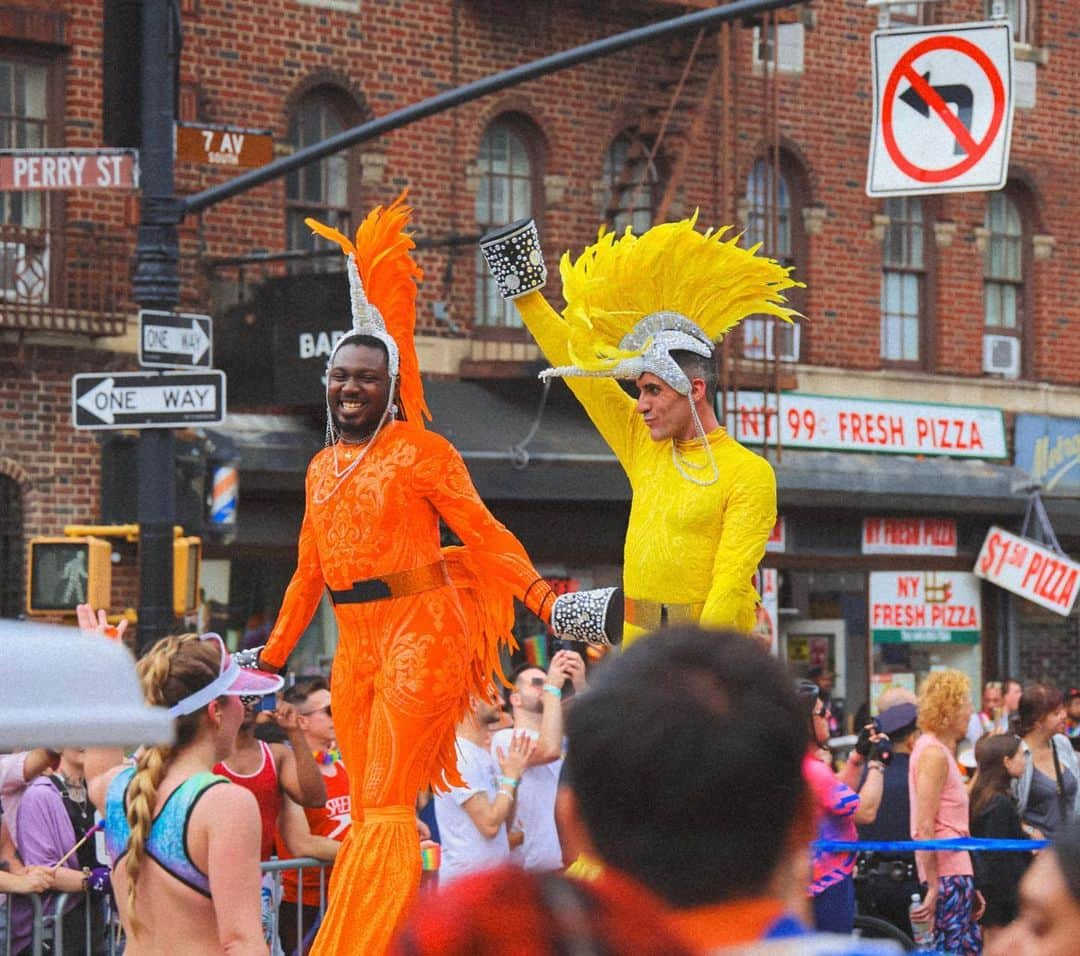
(943, 109)
(171, 339)
(147, 400)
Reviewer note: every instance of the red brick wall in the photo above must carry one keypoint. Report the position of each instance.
(247, 64)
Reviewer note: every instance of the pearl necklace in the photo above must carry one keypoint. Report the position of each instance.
(681, 462)
(342, 473)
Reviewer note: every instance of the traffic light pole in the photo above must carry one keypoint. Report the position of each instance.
(157, 286)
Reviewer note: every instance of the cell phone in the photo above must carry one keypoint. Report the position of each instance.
(266, 702)
(577, 647)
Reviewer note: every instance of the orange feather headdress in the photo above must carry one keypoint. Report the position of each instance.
(382, 281)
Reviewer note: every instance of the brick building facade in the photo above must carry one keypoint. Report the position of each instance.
(770, 136)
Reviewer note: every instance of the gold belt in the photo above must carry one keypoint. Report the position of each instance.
(652, 614)
(395, 584)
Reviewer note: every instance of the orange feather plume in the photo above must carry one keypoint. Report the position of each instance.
(390, 276)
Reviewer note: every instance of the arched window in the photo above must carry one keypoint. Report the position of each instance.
(903, 280)
(771, 220)
(1003, 286)
(631, 181)
(319, 190)
(507, 191)
(12, 576)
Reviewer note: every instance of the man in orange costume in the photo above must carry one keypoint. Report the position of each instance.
(419, 626)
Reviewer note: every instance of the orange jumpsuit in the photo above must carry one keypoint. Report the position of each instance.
(406, 666)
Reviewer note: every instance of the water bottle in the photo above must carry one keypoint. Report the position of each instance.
(920, 929)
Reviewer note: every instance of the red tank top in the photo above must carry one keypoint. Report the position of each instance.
(332, 820)
(264, 784)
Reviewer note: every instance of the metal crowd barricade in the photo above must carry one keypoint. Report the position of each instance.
(275, 868)
(48, 922)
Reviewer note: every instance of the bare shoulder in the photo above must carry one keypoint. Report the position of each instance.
(934, 760)
(98, 788)
(225, 804)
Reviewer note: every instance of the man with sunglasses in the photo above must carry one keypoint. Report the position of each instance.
(535, 701)
(312, 831)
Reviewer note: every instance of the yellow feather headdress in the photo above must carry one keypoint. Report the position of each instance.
(619, 280)
(382, 280)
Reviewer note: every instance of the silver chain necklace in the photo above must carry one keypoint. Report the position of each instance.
(681, 462)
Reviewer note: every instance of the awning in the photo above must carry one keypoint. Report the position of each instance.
(513, 456)
(562, 458)
(898, 482)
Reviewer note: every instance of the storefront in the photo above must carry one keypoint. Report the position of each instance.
(884, 506)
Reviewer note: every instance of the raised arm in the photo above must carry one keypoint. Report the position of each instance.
(489, 814)
(298, 772)
(607, 405)
(749, 516)
(301, 598)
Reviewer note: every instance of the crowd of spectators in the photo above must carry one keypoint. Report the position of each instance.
(637, 774)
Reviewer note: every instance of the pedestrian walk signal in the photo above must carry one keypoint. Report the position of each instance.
(187, 557)
(65, 572)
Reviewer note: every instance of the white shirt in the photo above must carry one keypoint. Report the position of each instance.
(464, 848)
(534, 813)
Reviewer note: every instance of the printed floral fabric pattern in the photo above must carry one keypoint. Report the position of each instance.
(405, 667)
(685, 544)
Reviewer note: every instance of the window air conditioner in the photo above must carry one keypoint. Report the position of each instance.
(1001, 355)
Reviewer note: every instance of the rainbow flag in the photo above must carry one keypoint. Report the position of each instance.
(536, 651)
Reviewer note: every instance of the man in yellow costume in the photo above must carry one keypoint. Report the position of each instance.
(650, 309)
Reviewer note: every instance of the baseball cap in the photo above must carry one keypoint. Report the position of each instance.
(897, 717)
(232, 681)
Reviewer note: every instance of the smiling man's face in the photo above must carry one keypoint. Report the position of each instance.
(358, 389)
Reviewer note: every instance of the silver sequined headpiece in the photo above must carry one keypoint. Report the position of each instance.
(669, 332)
(367, 321)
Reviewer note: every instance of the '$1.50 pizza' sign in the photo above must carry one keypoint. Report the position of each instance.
(1030, 570)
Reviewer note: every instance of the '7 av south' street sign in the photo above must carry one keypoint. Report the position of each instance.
(102, 400)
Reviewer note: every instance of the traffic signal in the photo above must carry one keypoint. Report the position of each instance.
(65, 572)
(187, 557)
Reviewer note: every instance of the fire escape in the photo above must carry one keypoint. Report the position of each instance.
(707, 85)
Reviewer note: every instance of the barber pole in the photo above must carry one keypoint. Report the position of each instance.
(224, 496)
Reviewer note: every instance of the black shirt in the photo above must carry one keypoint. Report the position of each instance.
(893, 820)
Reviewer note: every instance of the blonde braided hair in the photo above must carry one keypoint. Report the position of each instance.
(173, 669)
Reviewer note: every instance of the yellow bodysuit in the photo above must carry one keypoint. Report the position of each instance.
(685, 544)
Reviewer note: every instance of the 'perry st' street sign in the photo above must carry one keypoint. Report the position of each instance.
(169, 339)
(45, 170)
(147, 400)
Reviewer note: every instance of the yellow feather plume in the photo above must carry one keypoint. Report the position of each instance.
(619, 280)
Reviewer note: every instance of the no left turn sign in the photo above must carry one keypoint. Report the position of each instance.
(943, 109)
